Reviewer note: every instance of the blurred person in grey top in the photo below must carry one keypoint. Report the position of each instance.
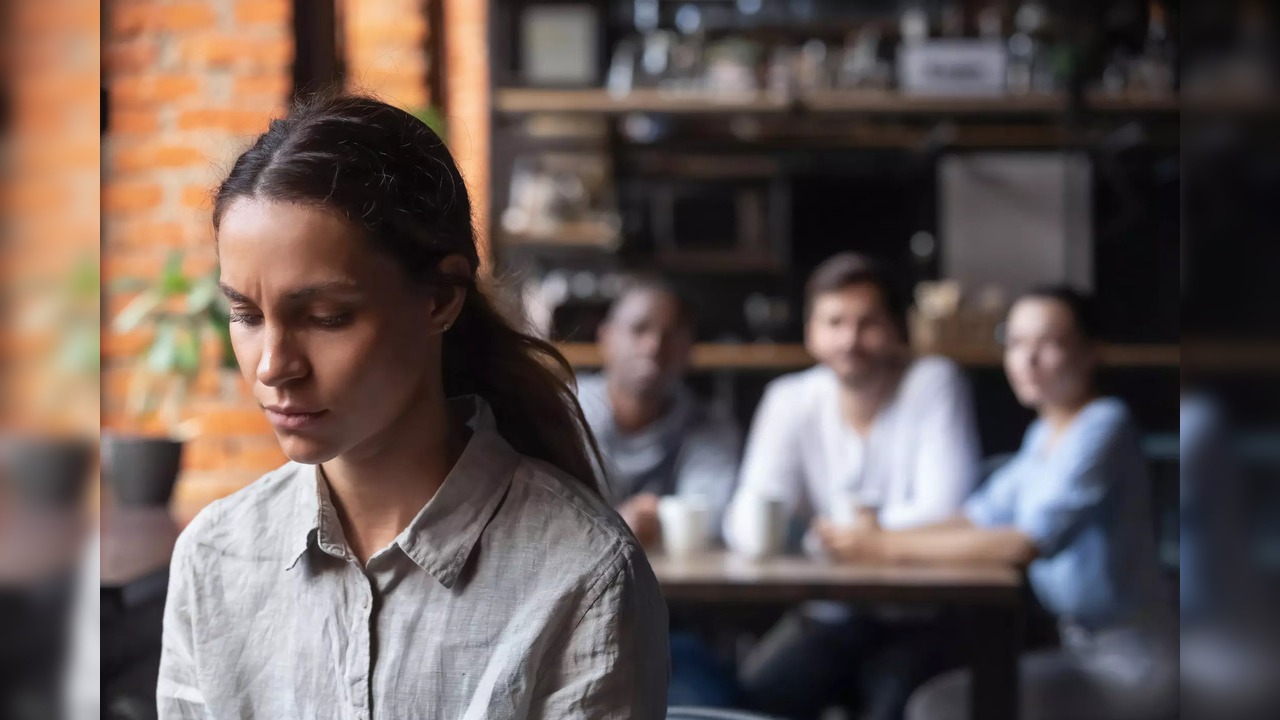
(656, 438)
(437, 547)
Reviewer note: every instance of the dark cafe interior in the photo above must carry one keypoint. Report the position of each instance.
(915, 358)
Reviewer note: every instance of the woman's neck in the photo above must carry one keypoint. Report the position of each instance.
(379, 488)
(1059, 416)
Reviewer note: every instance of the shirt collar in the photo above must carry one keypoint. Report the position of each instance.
(443, 534)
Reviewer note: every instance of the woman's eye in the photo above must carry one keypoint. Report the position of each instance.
(248, 319)
(331, 322)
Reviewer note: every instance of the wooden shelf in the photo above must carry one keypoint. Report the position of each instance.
(880, 102)
(873, 102)
(575, 234)
(1105, 102)
(528, 100)
(761, 356)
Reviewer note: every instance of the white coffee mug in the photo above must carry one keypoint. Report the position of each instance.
(846, 509)
(686, 525)
(851, 510)
(763, 525)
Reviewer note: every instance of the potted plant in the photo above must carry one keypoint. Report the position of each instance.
(184, 314)
(48, 463)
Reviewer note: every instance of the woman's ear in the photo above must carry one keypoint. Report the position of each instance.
(450, 295)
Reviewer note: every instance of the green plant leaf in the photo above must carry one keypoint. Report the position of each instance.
(137, 310)
(434, 119)
(81, 350)
(187, 355)
(129, 284)
(172, 280)
(85, 278)
(203, 293)
(220, 325)
(162, 357)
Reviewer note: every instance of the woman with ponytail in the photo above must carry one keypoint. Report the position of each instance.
(437, 546)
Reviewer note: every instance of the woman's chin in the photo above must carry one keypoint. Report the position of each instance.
(307, 451)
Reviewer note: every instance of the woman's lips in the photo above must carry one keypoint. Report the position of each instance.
(287, 419)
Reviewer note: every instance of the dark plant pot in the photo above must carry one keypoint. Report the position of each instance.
(49, 472)
(141, 471)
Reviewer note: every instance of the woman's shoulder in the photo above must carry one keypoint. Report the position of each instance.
(246, 521)
(1108, 419)
(572, 519)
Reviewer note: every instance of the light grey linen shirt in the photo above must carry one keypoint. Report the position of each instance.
(514, 593)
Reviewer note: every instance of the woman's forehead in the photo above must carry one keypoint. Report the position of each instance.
(288, 245)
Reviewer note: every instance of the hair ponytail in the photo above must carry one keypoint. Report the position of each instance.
(526, 382)
(392, 176)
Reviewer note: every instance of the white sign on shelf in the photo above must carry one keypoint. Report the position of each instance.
(952, 67)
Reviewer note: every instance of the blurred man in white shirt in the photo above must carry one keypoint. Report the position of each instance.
(870, 427)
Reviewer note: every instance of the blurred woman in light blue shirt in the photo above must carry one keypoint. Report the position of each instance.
(1074, 507)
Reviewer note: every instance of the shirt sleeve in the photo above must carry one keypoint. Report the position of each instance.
(708, 467)
(178, 694)
(993, 504)
(771, 463)
(1085, 467)
(616, 663)
(946, 453)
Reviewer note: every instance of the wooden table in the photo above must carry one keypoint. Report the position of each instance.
(991, 595)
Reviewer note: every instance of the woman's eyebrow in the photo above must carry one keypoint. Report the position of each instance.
(302, 293)
(341, 287)
(232, 294)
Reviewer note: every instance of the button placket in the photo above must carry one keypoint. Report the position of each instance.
(361, 637)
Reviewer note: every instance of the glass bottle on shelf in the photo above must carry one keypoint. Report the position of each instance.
(1154, 73)
(1025, 48)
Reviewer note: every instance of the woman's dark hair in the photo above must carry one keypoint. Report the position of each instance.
(392, 177)
(847, 269)
(1081, 306)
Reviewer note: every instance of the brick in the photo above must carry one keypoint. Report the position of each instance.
(373, 34)
(261, 460)
(148, 262)
(186, 16)
(129, 58)
(276, 12)
(205, 452)
(239, 122)
(203, 51)
(144, 234)
(153, 89)
(131, 197)
(131, 18)
(275, 85)
(150, 157)
(121, 422)
(199, 197)
(130, 344)
(121, 121)
(234, 421)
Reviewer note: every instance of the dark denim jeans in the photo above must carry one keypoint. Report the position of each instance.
(698, 677)
(866, 663)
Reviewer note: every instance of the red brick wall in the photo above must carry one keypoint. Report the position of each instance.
(466, 62)
(385, 48)
(190, 83)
